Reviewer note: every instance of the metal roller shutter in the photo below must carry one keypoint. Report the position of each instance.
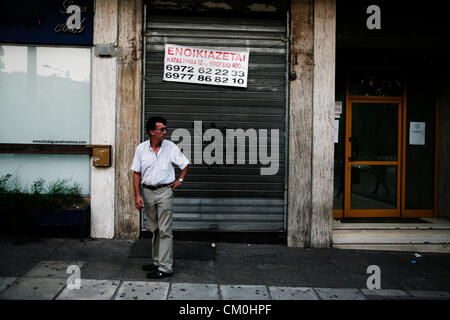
(223, 197)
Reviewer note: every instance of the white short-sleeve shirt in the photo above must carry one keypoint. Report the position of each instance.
(158, 169)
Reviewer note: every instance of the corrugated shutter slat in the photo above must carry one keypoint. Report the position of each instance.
(223, 197)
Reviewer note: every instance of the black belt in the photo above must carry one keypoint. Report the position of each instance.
(154, 187)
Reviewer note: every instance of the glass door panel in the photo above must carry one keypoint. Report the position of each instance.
(373, 150)
(374, 132)
(374, 187)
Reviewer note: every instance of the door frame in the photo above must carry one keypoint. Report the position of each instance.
(404, 213)
(348, 211)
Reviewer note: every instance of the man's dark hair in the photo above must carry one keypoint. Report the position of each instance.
(151, 123)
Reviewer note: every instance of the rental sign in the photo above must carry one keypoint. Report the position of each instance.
(220, 67)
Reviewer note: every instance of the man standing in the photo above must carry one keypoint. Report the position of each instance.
(153, 168)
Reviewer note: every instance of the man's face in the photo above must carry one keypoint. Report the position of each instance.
(159, 134)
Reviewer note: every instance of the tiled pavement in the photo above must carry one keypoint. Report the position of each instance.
(58, 288)
(38, 270)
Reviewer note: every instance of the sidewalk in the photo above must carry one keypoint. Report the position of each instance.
(38, 270)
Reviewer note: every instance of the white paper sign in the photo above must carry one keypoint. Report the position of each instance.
(206, 66)
(336, 131)
(337, 109)
(417, 133)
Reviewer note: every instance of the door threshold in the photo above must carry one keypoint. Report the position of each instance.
(389, 223)
(382, 220)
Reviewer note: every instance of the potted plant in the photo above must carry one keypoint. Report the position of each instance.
(43, 206)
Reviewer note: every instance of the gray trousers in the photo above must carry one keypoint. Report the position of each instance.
(158, 205)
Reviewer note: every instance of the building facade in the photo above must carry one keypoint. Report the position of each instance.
(305, 111)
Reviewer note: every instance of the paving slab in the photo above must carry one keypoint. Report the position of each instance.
(74, 249)
(438, 280)
(429, 294)
(244, 292)
(359, 280)
(292, 293)
(91, 290)
(193, 291)
(194, 271)
(243, 271)
(415, 281)
(111, 249)
(52, 269)
(6, 282)
(34, 248)
(16, 267)
(89, 244)
(339, 294)
(322, 274)
(132, 270)
(384, 293)
(33, 289)
(142, 290)
(20, 251)
(102, 270)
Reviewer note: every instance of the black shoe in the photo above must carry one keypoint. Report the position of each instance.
(158, 275)
(150, 267)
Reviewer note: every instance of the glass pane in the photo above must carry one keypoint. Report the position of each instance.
(374, 187)
(44, 95)
(419, 183)
(374, 131)
(374, 84)
(29, 167)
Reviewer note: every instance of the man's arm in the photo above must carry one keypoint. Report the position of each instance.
(177, 182)
(137, 193)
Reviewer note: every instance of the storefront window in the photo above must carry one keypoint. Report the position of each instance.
(45, 99)
(29, 167)
(44, 95)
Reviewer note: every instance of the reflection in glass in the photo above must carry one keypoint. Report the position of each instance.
(374, 131)
(373, 187)
(45, 99)
(373, 84)
(29, 167)
(44, 95)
